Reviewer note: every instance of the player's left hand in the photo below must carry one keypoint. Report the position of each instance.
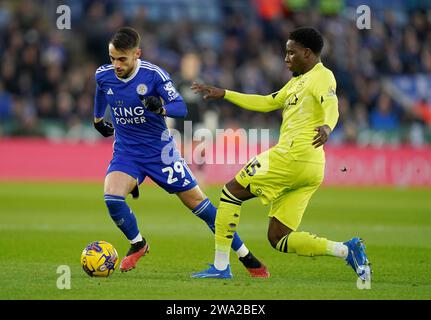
(152, 104)
(322, 135)
(209, 92)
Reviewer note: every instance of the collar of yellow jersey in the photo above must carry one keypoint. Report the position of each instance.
(315, 67)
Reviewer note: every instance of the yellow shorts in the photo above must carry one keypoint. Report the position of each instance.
(284, 183)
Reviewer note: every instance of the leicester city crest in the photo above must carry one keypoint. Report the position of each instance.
(141, 89)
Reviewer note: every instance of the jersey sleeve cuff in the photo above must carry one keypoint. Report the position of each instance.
(229, 95)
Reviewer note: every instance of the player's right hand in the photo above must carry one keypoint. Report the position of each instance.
(105, 128)
(322, 135)
(152, 103)
(209, 92)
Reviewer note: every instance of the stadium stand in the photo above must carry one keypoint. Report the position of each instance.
(383, 74)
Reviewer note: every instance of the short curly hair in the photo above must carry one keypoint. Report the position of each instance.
(308, 37)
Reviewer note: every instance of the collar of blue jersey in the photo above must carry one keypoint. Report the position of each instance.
(138, 63)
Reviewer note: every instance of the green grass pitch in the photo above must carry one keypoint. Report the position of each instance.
(45, 225)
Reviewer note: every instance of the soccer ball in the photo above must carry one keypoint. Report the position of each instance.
(99, 259)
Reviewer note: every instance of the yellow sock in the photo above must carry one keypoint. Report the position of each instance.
(303, 244)
(226, 223)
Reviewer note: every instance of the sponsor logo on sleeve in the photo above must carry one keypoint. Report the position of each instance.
(170, 90)
(331, 91)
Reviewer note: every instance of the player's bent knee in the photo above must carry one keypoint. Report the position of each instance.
(276, 232)
(118, 189)
(119, 184)
(232, 185)
(114, 191)
(274, 238)
(273, 242)
(237, 190)
(192, 198)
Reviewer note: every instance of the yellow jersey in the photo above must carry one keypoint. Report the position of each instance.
(308, 100)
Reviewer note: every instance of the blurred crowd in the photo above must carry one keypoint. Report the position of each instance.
(47, 75)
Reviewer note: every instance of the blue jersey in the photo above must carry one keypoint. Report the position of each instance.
(138, 132)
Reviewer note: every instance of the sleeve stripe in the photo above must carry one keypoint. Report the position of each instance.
(105, 67)
(153, 67)
(102, 69)
(146, 63)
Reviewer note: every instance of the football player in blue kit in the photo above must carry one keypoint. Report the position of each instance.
(140, 95)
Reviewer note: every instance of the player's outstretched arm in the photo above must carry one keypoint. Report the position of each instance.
(252, 102)
(209, 92)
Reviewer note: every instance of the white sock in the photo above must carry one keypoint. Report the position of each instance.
(337, 249)
(136, 239)
(242, 251)
(221, 259)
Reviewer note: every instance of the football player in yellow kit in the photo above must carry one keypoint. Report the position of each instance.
(286, 175)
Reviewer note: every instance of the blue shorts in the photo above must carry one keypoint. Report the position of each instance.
(173, 178)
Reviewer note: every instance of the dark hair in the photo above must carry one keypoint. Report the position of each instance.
(308, 37)
(125, 38)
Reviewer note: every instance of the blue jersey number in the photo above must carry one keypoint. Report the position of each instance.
(178, 168)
